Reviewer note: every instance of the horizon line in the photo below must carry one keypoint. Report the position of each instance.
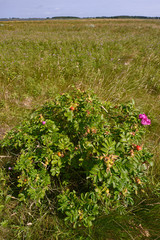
(65, 16)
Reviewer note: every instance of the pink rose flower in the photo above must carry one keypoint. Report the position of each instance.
(144, 119)
(142, 116)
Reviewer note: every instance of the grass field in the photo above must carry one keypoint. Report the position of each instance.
(120, 61)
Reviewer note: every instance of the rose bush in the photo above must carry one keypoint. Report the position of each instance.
(84, 156)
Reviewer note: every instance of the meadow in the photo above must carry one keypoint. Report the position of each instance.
(119, 60)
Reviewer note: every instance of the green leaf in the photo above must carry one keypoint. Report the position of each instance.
(4, 223)
(1, 207)
(8, 198)
(21, 197)
(95, 170)
(69, 114)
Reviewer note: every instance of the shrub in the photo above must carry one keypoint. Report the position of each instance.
(86, 157)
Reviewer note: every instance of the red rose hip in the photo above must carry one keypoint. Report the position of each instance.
(72, 108)
(139, 148)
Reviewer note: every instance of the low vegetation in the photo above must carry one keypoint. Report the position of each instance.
(80, 156)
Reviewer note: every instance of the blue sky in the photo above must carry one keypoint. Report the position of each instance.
(79, 8)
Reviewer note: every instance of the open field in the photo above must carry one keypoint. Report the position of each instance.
(118, 59)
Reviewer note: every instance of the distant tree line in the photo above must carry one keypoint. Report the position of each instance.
(67, 17)
(72, 17)
(126, 17)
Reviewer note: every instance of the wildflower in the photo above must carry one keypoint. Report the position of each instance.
(9, 168)
(143, 116)
(44, 122)
(144, 119)
(146, 122)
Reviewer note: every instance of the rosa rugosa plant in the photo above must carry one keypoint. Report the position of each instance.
(81, 155)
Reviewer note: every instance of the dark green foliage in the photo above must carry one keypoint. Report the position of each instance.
(81, 155)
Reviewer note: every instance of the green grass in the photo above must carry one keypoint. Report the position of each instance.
(120, 61)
